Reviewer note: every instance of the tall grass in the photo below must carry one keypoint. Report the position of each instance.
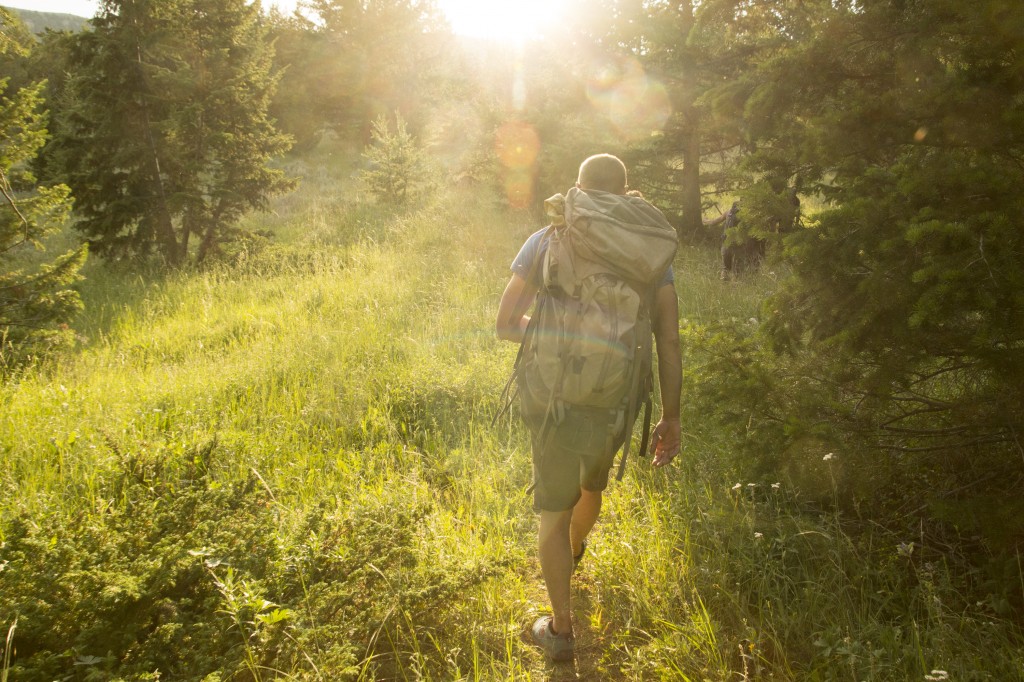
(284, 466)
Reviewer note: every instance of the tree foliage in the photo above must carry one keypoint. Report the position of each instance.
(653, 65)
(166, 137)
(345, 63)
(36, 300)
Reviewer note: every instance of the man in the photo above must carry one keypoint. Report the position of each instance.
(730, 249)
(571, 473)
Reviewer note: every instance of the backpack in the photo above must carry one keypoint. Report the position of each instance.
(588, 344)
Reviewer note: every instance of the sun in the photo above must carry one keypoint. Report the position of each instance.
(507, 21)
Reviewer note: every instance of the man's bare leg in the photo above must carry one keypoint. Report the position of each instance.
(561, 539)
(584, 516)
(556, 565)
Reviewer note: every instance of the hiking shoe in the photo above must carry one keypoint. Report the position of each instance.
(579, 557)
(557, 647)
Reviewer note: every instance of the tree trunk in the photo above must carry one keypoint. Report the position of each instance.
(691, 130)
(164, 223)
(691, 220)
(188, 226)
(209, 244)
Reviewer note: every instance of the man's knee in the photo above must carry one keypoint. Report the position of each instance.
(554, 524)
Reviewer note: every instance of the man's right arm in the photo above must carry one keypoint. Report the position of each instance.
(515, 301)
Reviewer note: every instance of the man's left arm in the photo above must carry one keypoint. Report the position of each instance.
(666, 437)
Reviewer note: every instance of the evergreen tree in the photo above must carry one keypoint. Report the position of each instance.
(16, 52)
(167, 138)
(296, 106)
(397, 168)
(908, 288)
(367, 58)
(50, 61)
(35, 298)
(652, 62)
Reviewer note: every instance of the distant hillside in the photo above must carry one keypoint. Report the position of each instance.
(38, 22)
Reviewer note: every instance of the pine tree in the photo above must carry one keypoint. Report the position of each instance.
(907, 289)
(655, 63)
(367, 58)
(36, 300)
(397, 169)
(166, 137)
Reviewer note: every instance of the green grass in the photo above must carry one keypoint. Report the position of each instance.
(315, 416)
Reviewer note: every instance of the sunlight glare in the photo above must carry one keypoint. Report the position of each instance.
(508, 21)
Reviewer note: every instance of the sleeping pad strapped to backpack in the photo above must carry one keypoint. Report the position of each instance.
(588, 344)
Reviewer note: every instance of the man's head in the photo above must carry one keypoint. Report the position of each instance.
(603, 172)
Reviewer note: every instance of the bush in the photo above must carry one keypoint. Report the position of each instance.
(182, 575)
(396, 170)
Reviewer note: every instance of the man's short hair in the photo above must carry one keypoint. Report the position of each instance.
(603, 172)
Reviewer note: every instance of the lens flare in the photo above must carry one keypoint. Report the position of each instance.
(636, 104)
(517, 146)
(519, 188)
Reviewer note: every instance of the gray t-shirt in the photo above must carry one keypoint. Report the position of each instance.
(534, 248)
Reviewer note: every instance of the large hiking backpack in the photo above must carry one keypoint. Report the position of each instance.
(588, 344)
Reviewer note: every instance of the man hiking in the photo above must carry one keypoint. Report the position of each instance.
(574, 434)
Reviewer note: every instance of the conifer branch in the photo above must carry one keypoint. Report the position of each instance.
(5, 187)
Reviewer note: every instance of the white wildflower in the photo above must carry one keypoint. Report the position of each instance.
(775, 486)
(937, 675)
(737, 486)
(758, 535)
(828, 457)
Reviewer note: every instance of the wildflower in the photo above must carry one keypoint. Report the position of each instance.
(905, 549)
(737, 486)
(758, 535)
(937, 675)
(775, 486)
(828, 457)
(751, 485)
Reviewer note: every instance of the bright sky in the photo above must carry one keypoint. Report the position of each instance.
(508, 20)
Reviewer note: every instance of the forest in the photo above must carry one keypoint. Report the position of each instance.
(249, 268)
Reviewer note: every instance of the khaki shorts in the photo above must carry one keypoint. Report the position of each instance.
(573, 455)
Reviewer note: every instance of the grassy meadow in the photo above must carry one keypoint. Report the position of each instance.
(284, 467)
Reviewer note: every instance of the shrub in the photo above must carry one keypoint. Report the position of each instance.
(396, 169)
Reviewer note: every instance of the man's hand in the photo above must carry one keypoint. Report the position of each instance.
(665, 441)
